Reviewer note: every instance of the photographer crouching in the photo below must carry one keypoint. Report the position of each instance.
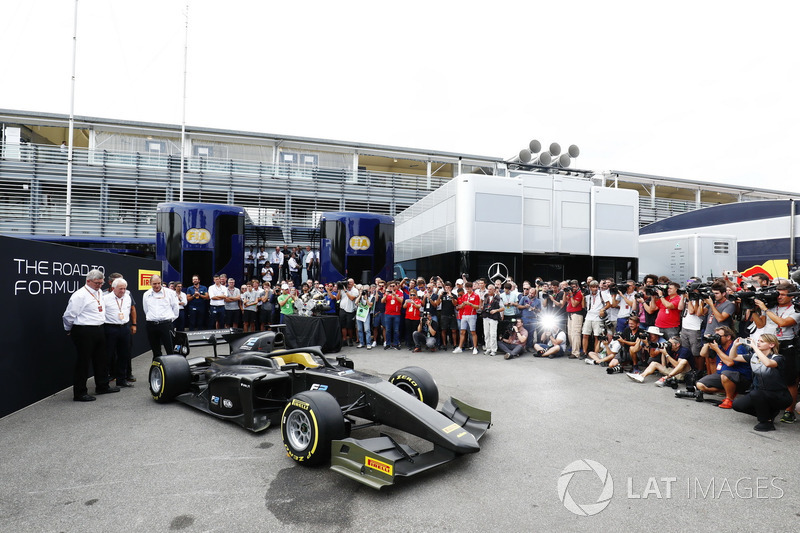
(426, 333)
(732, 376)
(768, 394)
(781, 319)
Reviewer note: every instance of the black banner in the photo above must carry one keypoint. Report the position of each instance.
(38, 358)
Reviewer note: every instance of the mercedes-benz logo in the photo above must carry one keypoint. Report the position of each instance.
(498, 271)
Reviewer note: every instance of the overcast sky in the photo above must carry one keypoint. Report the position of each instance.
(702, 90)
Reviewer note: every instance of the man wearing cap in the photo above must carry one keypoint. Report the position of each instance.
(83, 321)
(286, 302)
(595, 313)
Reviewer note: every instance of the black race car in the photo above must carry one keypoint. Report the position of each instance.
(319, 404)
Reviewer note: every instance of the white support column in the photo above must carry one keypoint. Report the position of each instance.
(428, 173)
(355, 167)
(697, 198)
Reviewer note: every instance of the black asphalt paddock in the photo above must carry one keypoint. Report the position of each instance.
(568, 440)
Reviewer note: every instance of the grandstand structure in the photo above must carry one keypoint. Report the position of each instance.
(122, 169)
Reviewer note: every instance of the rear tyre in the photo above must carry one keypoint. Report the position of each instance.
(169, 376)
(310, 422)
(417, 382)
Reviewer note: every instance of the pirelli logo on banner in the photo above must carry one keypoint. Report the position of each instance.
(144, 278)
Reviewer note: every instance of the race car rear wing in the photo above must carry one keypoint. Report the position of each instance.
(376, 462)
(237, 340)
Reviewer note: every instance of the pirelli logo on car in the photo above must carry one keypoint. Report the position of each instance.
(379, 466)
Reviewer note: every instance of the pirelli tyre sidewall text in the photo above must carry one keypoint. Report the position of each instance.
(169, 376)
(310, 422)
(417, 382)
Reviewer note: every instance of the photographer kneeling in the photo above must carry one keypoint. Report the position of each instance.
(514, 344)
(768, 395)
(674, 361)
(556, 343)
(781, 319)
(732, 376)
(425, 334)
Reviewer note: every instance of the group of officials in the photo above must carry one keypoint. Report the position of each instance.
(101, 325)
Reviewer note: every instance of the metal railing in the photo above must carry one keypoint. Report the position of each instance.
(114, 194)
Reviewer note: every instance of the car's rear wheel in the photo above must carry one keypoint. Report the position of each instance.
(310, 422)
(169, 376)
(417, 382)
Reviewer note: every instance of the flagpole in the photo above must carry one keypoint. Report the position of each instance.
(183, 119)
(68, 221)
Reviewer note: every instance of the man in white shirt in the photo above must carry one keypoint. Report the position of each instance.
(117, 307)
(276, 260)
(217, 294)
(160, 309)
(83, 321)
(311, 263)
(347, 312)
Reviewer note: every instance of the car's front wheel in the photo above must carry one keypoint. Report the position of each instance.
(311, 421)
(417, 382)
(169, 376)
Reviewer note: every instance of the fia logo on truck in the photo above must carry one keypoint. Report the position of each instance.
(198, 236)
(359, 242)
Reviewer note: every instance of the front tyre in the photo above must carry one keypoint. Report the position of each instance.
(169, 376)
(417, 382)
(310, 422)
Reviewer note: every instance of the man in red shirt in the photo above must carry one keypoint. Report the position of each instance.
(393, 299)
(468, 304)
(668, 319)
(575, 314)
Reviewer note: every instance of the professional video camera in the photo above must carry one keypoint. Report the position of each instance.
(613, 289)
(697, 290)
(341, 285)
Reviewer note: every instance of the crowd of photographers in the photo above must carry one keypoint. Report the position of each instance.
(730, 337)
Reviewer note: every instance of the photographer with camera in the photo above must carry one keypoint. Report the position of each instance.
(628, 306)
(611, 293)
(731, 376)
(694, 312)
(781, 320)
(768, 393)
(553, 342)
(393, 302)
(720, 310)
(364, 305)
(648, 292)
(631, 340)
(412, 306)
(595, 313)
(575, 313)
(530, 306)
(651, 346)
(514, 344)
(448, 324)
(426, 333)
(491, 311)
(672, 361)
(665, 305)
(611, 347)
